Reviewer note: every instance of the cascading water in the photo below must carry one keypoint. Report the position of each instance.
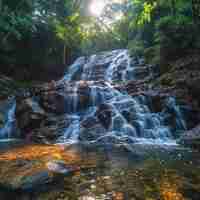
(113, 72)
(101, 112)
(97, 111)
(9, 125)
(71, 132)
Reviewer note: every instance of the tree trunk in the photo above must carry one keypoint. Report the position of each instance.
(173, 7)
(64, 54)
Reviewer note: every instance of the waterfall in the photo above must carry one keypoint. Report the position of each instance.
(91, 104)
(71, 133)
(100, 111)
(120, 67)
(9, 126)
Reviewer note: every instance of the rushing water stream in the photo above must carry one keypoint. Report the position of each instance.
(133, 146)
(114, 114)
(99, 112)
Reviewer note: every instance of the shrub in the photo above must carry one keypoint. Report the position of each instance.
(176, 36)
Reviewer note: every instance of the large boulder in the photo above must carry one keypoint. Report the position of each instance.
(91, 129)
(54, 101)
(3, 106)
(50, 129)
(29, 114)
(104, 113)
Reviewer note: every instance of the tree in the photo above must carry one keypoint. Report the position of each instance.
(196, 11)
(1, 5)
(70, 33)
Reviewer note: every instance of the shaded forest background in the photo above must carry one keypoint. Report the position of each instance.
(38, 38)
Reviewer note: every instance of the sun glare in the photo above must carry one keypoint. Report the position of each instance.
(97, 7)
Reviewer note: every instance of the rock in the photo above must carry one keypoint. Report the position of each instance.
(72, 97)
(27, 175)
(89, 122)
(141, 72)
(33, 181)
(29, 115)
(44, 135)
(104, 114)
(7, 87)
(60, 167)
(157, 99)
(92, 133)
(83, 96)
(2, 120)
(191, 137)
(50, 129)
(194, 88)
(54, 102)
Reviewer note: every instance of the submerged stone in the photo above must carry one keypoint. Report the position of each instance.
(60, 167)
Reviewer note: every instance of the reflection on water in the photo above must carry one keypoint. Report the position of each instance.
(169, 190)
(155, 174)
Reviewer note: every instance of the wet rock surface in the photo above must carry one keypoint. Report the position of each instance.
(191, 137)
(31, 114)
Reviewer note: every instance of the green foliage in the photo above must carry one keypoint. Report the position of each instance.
(152, 54)
(166, 28)
(56, 30)
(136, 47)
(176, 35)
(145, 15)
(15, 25)
(69, 30)
(167, 22)
(15, 21)
(97, 39)
(40, 26)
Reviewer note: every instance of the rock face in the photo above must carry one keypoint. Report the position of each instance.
(104, 115)
(30, 112)
(7, 87)
(106, 95)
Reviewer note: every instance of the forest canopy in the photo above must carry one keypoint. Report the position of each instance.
(57, 31)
